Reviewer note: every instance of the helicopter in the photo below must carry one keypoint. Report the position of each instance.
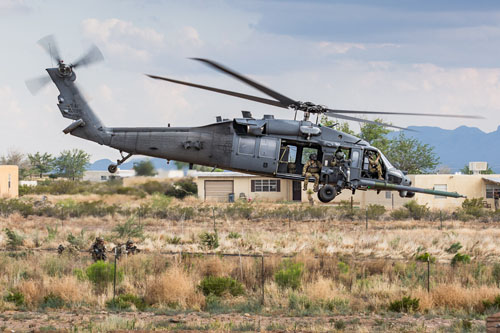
(269, 147)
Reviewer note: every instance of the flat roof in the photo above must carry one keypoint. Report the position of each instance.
(491, 179)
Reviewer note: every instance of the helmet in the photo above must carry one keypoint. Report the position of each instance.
(313, 157)
(340, 155)
(129, 242)
(99, 239)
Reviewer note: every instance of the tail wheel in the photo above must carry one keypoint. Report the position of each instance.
(327, 193)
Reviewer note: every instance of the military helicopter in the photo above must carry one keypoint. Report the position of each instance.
(268, 147)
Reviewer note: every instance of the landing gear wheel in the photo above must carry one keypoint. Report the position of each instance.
(112, 168)
(327, 193)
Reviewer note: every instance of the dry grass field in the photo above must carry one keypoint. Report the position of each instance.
(323, 270)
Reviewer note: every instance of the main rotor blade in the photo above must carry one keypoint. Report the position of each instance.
(341, 116)
(285, 101)
(36, 84)
(222, 91)
(407, 114)
(93, 55)
(48, 43)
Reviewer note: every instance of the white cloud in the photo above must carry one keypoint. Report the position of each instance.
(13, 6)
(123, 38)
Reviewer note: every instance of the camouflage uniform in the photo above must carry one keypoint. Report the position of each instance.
(312, 168)
(120, 250)
(98, 249)
(131, 248)
(374, 165)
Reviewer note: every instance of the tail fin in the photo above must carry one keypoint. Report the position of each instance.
(73, 106)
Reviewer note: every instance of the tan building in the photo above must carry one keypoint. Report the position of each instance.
(218, 186)
(9, 181)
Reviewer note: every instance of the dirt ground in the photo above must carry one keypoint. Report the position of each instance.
(82, 321)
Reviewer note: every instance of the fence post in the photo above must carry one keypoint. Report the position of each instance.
(441, 219)
(366, 219)
(114, 277)
(428, 274)
(262, 279)
(213, 214)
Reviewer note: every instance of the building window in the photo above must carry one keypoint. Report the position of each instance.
(388, 194)
(266, 185)
(492, 190)
(267, 148)
(246, 146)
(104, 177)
(9, 181)
(440, 187)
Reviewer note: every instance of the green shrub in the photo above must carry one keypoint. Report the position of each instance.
(400, 214)
(209, 240)
(233, 235)
(14, 240)
(101, 273)
(290, 274)
(492, 304)
(174, 240)
(454, 247)
(125, 302)
(11, 206)
(51, 233)
(375, 211)
(416, 211)
(460, 258)
(343, 267)
(406, 304)
(299, 302)
(182, 188)
(219, 286)
(15, 297)
(239, 209)
(53, 302)
(339, 324)
(153, 186)
(474, 207)
(495, 273)
(77, 241)
(425, 257)
(130, 229)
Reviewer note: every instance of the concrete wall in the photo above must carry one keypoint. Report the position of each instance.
(9, 181)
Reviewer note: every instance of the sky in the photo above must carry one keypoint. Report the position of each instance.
(388, 55)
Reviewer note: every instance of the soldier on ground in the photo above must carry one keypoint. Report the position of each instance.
(374, 164)
(60, 249)
(120, 250)
(98, 249)
(312, 169)
(131, 247)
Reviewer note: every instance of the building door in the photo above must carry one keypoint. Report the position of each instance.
(297, 190)
(218, 190)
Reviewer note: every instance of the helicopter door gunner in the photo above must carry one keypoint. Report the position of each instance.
(374, 164)
(312, 168)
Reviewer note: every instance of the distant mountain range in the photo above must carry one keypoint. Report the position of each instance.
(455, 148)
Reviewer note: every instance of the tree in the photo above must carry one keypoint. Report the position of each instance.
(15, 157)
(411, 155)
(376, 135)
(72, 163)
(466, 171)
(144, 168)
(41, 163)
(342, 126)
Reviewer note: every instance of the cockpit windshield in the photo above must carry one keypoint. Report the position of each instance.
(387, 164)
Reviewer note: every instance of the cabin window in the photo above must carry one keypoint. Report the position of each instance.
(266, 185)
(355, 158)
(246, 146)
(440, 187)
(492, 190)
(267, 148)
(306, 152)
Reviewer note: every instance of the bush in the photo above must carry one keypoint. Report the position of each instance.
(77, 241)
(14, 240)
(53, 302)
(454, 247)
(490, 304)
(233, 235)
(290, 274)
(239, 209)
(51, 233)
(175, 240)
(152, 187)
(406, 304)
(101, 273)
(400, 214)
(15, 297)
(10, 206)
(474, 207)
(416, 211)
(209, 240)
(125, 302)
(219, 286)
(130, 229)
(375, 211)
(182, 188)
(460, 258)
(425, 257)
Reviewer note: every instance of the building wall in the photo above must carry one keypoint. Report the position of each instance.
(9, 181)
